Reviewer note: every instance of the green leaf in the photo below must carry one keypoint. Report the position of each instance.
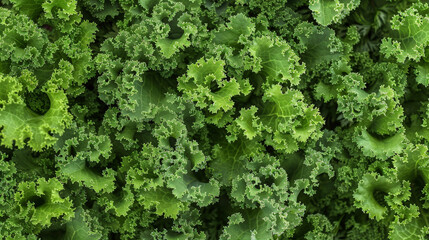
(327, 12)
(320, 45)
(206, 84)
(79, 229)
(22, 126)
(77, 171)
(237, 29)
(163, 200)
(288, 120)
(422, 72)
(145, 97)
(80, 150)
(364, 194)
(229, 158)
(102, 9)
(380, 148)
(29, 7)
(409, 34)
(120, 201)
(170, 46)
(62, 9)
(415, 229)
(42, 201)
(248, 122)
(260, 223)
(275, 61)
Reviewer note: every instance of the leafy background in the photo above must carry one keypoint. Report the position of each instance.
(200, 119)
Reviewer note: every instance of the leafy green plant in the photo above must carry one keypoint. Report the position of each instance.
(214, 119)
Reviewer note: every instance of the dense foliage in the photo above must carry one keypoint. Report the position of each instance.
(214, 119)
